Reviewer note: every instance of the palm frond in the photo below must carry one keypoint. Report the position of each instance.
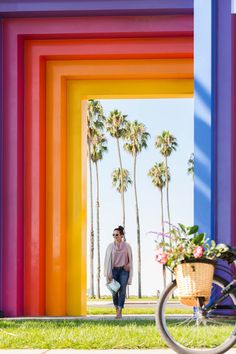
(116, 179)
(166, 142)
(115, 124)
(136, 137)
(158, 175)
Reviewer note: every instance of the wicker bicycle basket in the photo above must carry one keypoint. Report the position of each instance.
(194, 280)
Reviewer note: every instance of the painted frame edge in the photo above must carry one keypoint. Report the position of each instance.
(16, 8)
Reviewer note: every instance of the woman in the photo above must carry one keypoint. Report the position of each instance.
(118, 265)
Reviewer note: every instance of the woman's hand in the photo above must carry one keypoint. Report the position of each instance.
(127, 268)
(109, 279)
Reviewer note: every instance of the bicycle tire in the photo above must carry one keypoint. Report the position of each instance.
(161, 322)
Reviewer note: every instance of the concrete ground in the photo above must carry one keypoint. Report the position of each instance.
(133, 304)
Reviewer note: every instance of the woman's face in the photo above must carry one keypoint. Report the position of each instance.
(117, 236)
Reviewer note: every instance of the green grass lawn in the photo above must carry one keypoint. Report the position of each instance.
(79, 334)
(137, 311)
(85, 334)
(89, 334)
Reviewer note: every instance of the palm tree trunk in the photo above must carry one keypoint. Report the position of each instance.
(167, 193)
(91, 226)
(138, 230)
(168, 208)
(122, 182)
(98, 237)
(163, 239)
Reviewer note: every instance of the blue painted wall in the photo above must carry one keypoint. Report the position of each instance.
(203, 115)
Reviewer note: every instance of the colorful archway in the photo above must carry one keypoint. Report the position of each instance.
(43, 210)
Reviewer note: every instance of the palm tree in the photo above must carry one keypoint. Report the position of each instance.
(158, 175)
(136, 137)
(115, 125)
(98, 147)
(121, 183)
(95, 121)
(167, 143)
(191, 165)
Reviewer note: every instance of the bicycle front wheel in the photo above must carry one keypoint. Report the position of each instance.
(196, 330)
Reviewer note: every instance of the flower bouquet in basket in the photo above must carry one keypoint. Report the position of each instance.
(191, 257)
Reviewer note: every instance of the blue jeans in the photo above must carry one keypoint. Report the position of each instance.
(122, 276)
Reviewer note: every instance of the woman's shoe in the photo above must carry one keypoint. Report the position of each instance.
(119, 313)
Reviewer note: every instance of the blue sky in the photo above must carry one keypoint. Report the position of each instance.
(175, 115)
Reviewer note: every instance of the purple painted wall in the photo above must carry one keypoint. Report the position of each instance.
(1, 154)
(233, 162)
(24, 8)
(223, 121)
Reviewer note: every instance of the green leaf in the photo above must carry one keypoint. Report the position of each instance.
(198, 239)
(173, 264)
(182, 227)
(213, 244)
(193, 229)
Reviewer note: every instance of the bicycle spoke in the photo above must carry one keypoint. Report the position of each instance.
(218, 323)
(188, 320)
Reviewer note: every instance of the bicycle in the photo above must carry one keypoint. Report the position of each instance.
(209, 328)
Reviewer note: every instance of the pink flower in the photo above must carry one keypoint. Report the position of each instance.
(161, 256)
(159, 250)
(198, 251)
